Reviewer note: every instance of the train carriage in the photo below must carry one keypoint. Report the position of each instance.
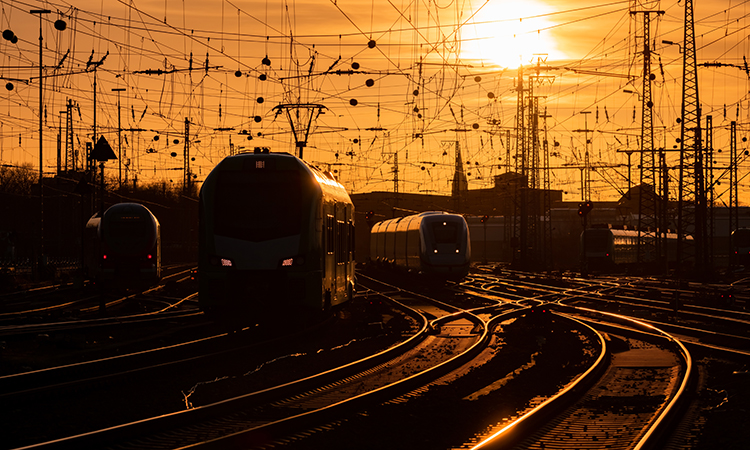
(609, 248)
(123, 247)
(433, 243)
(741, 246)
(276, 234)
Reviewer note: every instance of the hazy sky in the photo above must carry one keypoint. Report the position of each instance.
(385, 80)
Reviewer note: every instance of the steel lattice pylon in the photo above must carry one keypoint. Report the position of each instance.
(691, 201)
(648, 233)
(518, 239)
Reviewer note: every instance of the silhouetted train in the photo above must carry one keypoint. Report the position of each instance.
(123, 248)
(606, 248)
(275, 235)
(433, 243)
(741, 246)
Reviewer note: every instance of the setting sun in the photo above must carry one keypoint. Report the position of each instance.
(510, 34)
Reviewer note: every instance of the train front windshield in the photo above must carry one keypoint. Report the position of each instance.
(129, 228)
(258, 205)
(596, 240)
(445, 232)
(741, 237)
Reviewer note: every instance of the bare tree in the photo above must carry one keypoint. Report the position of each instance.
(17, 179)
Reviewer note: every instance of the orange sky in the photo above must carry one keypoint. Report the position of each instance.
(449, 53)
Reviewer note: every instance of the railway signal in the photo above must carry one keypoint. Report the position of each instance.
(584, 208)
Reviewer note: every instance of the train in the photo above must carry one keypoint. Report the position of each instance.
(123, 247)
(741, 246)
(276, 234)
(607, 248)
(432, 243)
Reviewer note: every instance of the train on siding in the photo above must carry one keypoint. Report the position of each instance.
(607, 248)
(123, 246)
(275, 235)
(741, 246)
(432, 243)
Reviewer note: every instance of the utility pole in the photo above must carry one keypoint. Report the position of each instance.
(734, 219)
(70, 156)
(119, 138)
(691, 195)
(586, 169)
(186, 160)
(91, 165)
(60, 25)
(547, 202)
(59, 142)
(648, 249)
(708, 176)
(520, 186)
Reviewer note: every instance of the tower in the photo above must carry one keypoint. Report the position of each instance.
(648, 234)
(691, 202)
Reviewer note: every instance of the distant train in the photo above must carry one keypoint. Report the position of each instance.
(605, 248)
(123, 248)
(741, 246)
(275, 235)
(433, 243)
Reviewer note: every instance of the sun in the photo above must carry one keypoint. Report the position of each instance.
(510, 34)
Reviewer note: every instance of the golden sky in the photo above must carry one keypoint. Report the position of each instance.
(386, 81)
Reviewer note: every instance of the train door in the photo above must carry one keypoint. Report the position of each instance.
(341, 255)
(329, 261)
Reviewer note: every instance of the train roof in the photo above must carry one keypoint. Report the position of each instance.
(633, 233)
(327, 182)
(421, 216)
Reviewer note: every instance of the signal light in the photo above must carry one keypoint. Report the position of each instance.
(585, 207)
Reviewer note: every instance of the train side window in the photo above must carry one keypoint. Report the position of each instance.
(329, 234)
(342, 238)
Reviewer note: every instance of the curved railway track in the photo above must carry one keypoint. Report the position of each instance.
(697, 324)
(338, 389)
(446, 338)
(74, 304)
(130, 388)
(629, 403)
(488, 345)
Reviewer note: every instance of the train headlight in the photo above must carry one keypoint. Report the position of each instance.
(218, 261)
(293, 261)
(434, 251)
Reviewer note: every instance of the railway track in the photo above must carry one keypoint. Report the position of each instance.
(75, 398)
(334, 389)
(447, 338)
(74, 304)
(463, 354)
(717, 334)
(637, 394)
(697, 324)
